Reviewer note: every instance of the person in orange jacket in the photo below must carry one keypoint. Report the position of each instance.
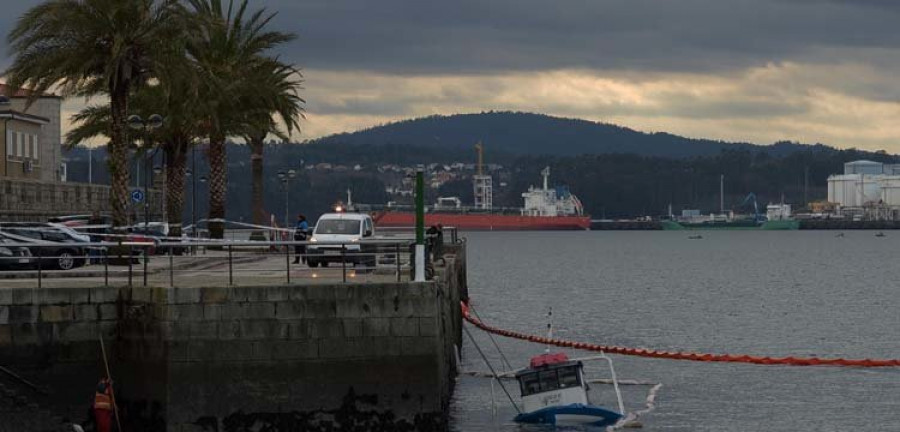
(103, 406)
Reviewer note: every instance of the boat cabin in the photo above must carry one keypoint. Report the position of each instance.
(552, 380)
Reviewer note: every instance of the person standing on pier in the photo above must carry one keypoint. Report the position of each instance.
(103, 406)
(300, 232)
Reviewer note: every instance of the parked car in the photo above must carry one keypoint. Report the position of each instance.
(75, 221)
(62, 247)
(15, 257)
(347, 228)
(156, 232)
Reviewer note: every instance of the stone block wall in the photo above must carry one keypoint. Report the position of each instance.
(32, 200)
(371, 356)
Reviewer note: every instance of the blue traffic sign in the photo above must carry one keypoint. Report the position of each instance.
(137, 195)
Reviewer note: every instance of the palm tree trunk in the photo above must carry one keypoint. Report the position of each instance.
(256, 164)
(118, 158)
(218, 182)
(176, 155)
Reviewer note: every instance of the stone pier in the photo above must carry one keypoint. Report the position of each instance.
(279, 358)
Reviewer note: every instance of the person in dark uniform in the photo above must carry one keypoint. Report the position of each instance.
(301, 230)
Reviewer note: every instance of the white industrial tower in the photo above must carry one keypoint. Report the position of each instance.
(484, 186)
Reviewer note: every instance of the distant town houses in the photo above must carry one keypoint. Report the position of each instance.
(399, 179)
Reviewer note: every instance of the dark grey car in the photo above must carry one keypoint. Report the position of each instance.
(15, 257)
(56, 246)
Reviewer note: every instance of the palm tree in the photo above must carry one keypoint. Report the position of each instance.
(174, 94)
(93, 47)
(228, 45)
(277, 86)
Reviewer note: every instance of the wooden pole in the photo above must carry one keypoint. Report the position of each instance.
(112, 392)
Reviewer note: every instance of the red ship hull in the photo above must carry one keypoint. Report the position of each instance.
(485, 222)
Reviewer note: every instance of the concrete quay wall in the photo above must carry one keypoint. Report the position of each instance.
(317, 357)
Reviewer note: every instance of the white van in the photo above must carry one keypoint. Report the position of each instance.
(346, 228)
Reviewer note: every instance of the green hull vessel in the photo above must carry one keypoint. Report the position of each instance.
(733, 225)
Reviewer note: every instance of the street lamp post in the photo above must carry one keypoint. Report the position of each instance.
(153, 122)
(286, 178)
(194, 189)
(203, 180)
(158, 170)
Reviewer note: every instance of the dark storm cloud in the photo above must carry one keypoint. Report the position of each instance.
(477, 36)
(470, 36)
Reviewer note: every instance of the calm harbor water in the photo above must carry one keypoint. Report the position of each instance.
(773, 293)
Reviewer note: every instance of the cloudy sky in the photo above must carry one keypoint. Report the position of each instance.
(737, 70)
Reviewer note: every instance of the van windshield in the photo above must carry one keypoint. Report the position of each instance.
(337, 226)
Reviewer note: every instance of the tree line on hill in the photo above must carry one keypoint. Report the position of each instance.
(610, 185)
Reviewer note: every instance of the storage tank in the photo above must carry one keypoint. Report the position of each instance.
(864, 167)
(844, 190)
(854, 190)
(890, 190)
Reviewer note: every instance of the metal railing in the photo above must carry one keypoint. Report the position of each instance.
(235, 263)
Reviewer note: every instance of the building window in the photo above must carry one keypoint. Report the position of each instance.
(35, 151)
(10, 145)
(26, 142)
(20, 142)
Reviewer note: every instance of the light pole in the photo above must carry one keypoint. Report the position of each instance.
(190, 173)
(203, 180)
(194, 188)
(135, 122)
(286, 178)
(158, 170)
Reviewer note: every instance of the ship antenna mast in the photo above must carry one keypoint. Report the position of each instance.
(546, 173)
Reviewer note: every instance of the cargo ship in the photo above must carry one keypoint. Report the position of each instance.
(544, 209)
(777, 217)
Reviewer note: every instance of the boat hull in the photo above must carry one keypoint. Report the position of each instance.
(485, 222)
(570, 414)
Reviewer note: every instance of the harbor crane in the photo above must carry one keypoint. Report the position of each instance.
(751, 199)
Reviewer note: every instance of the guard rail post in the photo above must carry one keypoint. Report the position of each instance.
(230, 267)
(397, 259)
(344, 262)
(130, 264)
(106, 266)
(287, 263)
(40, 271)
(171, 269)
(146, 261)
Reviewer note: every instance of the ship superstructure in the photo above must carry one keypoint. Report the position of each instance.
(550, 202)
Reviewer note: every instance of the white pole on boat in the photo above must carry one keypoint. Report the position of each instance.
(549, 328)
(615, 381)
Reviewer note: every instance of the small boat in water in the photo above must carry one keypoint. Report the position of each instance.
(880, 234)
(555, 391)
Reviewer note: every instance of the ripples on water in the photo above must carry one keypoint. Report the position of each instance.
(774, 293)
